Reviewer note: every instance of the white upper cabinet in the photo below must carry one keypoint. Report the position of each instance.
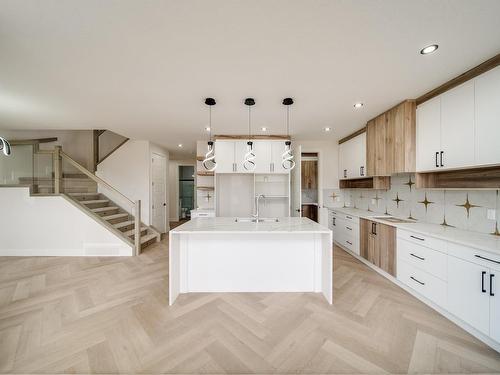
(457, 127)
(461, 127)
(231, 154)
(352, 158)
(428, 134)
(224, 156)
(488, 117)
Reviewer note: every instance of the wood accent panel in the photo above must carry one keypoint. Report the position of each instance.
(203, 173)
(200, 158)
(378, 182)
(309, 176)
(353, 135)
(386, 243)
(477, 178)
(364, 230)
(256, 137)
(380, 146)
(370, 148)
(474, 72)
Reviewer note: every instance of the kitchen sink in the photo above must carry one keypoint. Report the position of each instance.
(393, 219)
(255, 220)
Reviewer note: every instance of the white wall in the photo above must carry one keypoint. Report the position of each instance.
(52, 226)
(328, 163)
(173, 186)
(128, 170)
(76, 143)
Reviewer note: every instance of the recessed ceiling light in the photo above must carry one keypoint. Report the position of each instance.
(207, 128)
(429, 49)
(327, 129)
(179, 145)
(264, 129)
(358, 105)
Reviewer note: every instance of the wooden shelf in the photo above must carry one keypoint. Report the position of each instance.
(477, 178)
(378, 183)
(205, 173)
(200, 158)
(205, 188)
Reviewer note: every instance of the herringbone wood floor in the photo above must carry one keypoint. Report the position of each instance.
(109, 315)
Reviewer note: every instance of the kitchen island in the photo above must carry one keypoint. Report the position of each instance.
(222, 254)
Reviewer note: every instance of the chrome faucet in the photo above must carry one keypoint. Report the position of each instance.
(257, 199)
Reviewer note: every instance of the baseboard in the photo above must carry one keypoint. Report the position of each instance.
(100, 250)
(466, 327)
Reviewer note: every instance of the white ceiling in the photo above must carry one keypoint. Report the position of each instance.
(143, 68)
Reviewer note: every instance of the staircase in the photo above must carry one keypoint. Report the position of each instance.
(102, 208)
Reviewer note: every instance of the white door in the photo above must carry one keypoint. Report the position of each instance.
(159, 192)
(277, 149)
(494, 288)
(262, 150)
(296, 182)
(457, 126)
(224, 156)
(428, 135)
(488, 117)
(468, 293)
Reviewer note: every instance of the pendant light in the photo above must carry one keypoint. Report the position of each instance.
(287, 157)
(209, 162)
(249, 159)
(5, 146)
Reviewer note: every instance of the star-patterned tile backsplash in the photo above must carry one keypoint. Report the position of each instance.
(465, 209)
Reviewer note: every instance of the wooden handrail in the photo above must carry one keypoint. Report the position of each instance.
(93, 177)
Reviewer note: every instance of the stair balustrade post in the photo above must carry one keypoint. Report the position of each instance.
(137, 227)
(57, 169)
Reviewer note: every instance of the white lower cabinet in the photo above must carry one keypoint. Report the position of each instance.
(468, 297)
(461, 280)
(495, 305)
(345, 231)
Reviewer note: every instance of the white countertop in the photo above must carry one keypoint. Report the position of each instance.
(229, 225)
(481, 241)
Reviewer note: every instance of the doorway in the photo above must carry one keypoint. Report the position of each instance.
(186, 191)
(159, 192)
(309, 185)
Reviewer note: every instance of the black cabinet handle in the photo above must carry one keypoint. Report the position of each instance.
(418, 238)
(421, 283)
(416, 256)
(348, 228)
(345, 173)
(491, 284)
(441, 158)
(437, 154)
(348, 217)
(375, 229)
(333, 222)
(482, 282)
(361, 171)
(350, 243)
(489, 260)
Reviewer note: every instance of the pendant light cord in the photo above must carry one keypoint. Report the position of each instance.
(287, 120)
(249, 122)
(210, 123)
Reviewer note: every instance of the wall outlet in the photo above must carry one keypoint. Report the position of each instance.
(491, 214)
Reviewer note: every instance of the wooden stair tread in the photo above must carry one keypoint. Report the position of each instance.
(131, 232)
(82, 194)
(115, 216)
(124, 224)
(104, 209)
(96, 201)
(147, 237)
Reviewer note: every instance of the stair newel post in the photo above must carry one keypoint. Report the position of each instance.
(137, 227)
(57, 169)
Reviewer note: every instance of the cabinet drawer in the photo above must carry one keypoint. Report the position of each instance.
(424, 283)
(351, 219)
(426, 259)
(470, 254)
(423, 240)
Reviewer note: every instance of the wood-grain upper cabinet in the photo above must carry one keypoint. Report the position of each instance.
(378, 245)
(487, 102)
(390, 141)
(309, 174)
